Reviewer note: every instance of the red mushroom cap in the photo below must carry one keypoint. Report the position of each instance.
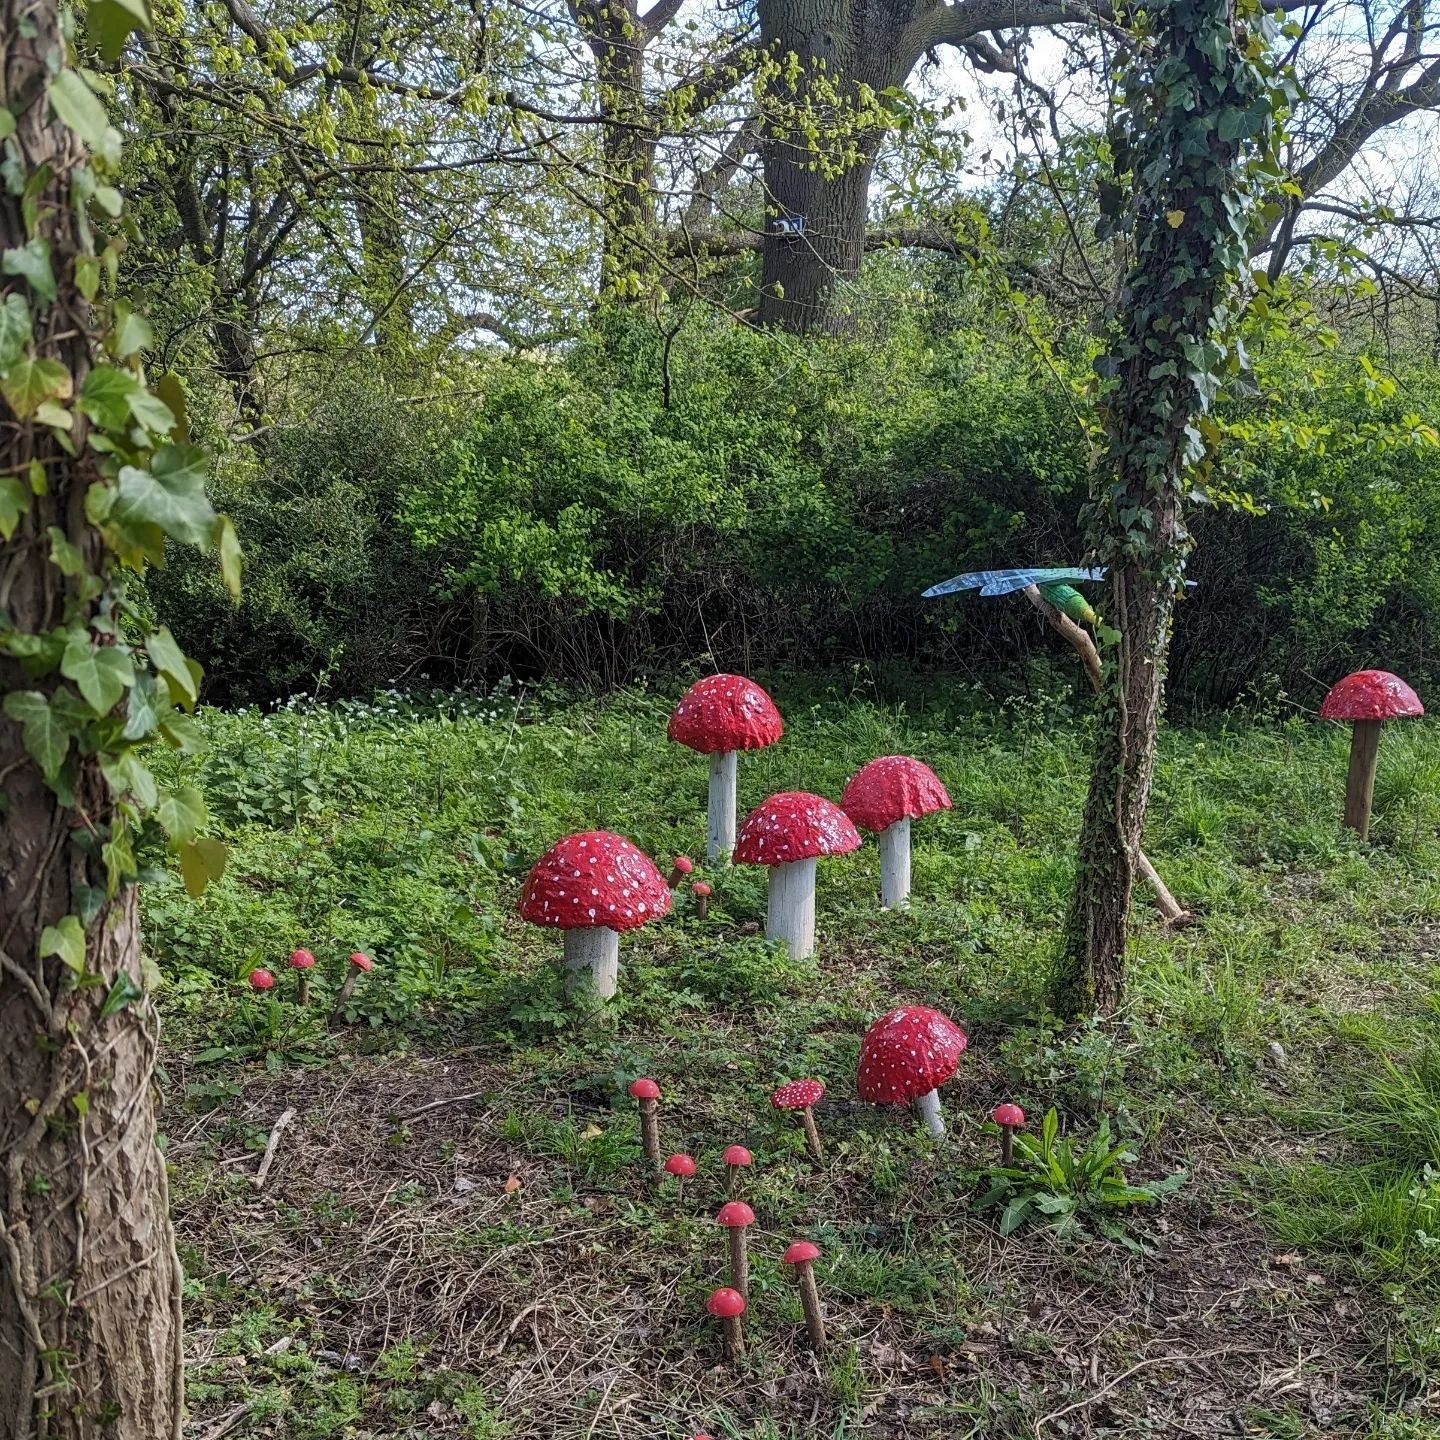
(594, 878)
(1011, 1116)
(1371, 695)
(734, 1215)
(700, 888)
(681, 1165)
(892, 788)
(361, 961)
(736, 1155)
(725, 712)
(798, 1094)
(261, 979)
(644, 1089)
(725, 1303)
(301, 960)
(907, 1053)
(794, 825)
(800, 1252)
(683, 863)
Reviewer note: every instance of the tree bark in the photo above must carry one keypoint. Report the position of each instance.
(90, 1338)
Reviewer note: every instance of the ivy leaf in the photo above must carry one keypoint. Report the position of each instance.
(127, 775)
(181, 813)
(202, 861)
(146, 708)
(31, 262)
(169, 660)
(66, 939)
(63, 555)
(122, 993)
(169, 389)
(14, 502)
(182, 733)
(14, 328)
(29, 383)
(1174, 218)
(46, 735)
(77, 106)
(170, 495)
(132, 331)
(106, 396)
(151, 411)
(109, 23)
(231, 558)
(102, 673)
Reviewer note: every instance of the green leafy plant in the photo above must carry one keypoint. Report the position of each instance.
(1069, 1186)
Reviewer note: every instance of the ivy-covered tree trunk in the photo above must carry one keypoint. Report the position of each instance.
(90, 486)
(1192, 137)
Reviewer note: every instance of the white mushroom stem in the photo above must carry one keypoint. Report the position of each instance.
(592, 960)
(929, 1107)
(720, 839)
(895, 864)
(791, 915)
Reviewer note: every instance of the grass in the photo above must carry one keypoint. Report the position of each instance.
(499, 1265)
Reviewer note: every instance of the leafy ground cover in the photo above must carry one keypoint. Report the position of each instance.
(457, 1235)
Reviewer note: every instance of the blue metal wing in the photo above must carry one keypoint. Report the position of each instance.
(1006, 582)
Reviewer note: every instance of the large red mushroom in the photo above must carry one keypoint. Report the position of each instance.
(718, 716)
(787, 832)
(593, 886)
(884, 797)
(1368, 698)
(906, 1056)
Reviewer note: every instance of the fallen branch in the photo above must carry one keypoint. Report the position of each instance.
(441, 1104)
(271, 1145)
(1120, 1379)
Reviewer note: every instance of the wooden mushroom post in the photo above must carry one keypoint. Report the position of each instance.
(593, 886)
(646, 1095)
(1368, 698)
(727, 1306)
(905, 1057)
(787, 832)
(800, 1097)
(884, 797)
(737, 1217)
(803, 1255)
(720, 716)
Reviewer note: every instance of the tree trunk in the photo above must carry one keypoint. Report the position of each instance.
(1180, 153)
(90, 1339)
(840, 47)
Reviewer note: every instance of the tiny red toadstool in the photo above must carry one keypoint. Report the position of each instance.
(593, 886)
(787, 832)
(701, 891)
(718, 716)
(727, 1306)
(682, 1167)
(680, 867)
(802, 1096)
(802, 1255)
(736, 1216)
(736, 1158)
(360, 964)
(302, 962)
(1368, 698)
(1009, 1118)
(906, 1056)
(884, 796)
(261, 979)
(646, 1094)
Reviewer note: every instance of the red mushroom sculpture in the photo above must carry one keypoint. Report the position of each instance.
(907, 1055)
(1010, 1118)
(802, 1096)
(803, 1255)
(302, 962)
(718, 716)
(735, 1159)
(593, 886)
(885, 796)
(1368, 698)
(787, 832)
(727, 1306)
(360, 964)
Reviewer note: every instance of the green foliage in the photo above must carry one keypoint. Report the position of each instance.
(1068, 1185)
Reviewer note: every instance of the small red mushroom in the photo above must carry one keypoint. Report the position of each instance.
(1009, 1118)
(646, 1094)
(360, 964)
(802, 1096)
(261, 979)
(802, 1255)
(701, 891)
(906, 1056)
(727, 1306)
(302, 962)
(593, 886)
(736, 1158)
(682, 1167)
(885, 796)
(680, 867)
(718, 716)
(736, 1216)
(1369, 698)
(786, 833)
